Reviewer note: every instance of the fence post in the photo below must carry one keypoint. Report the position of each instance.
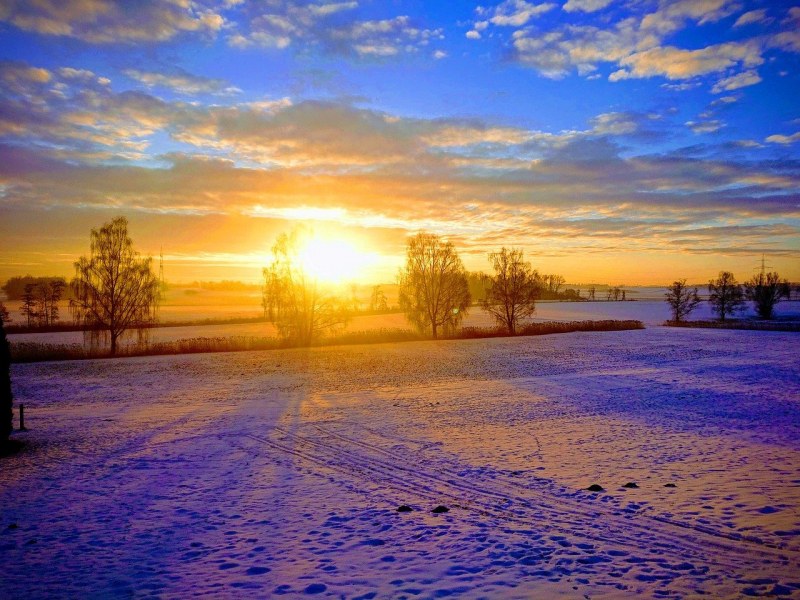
(22, 417)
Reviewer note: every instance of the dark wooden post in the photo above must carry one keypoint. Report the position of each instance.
(22, 417)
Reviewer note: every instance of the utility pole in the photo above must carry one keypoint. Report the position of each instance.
(763, 266)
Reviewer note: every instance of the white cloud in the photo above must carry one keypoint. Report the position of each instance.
(710, 126)
(614, 123)
(734, 82)
(516, 13)
(753, 16)
(680, 87)
(281, 23)
(108, 21)
(473, 35)
(331, 8)
(676, 63)
(182, 82)
(784, 140)
(585, 5)
(634, 44)
(376, 49)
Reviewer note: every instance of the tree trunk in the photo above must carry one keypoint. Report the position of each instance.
(433, 328)
(113, 343)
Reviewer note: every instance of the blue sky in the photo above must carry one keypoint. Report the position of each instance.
(633, 142)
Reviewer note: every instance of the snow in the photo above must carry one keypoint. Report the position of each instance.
(279, 472)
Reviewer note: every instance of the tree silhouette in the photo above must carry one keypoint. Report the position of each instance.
(29, 306)
(434, 293)
(513, 290)
(270, 291)
(50, 296)
(114, 289)
(725, 294)
(377, 300)
(300, 307)
(765, 290)
(6, 399)
(682, 300)
(15, 286)
(478, 284)
(554, 283)
(40, 301)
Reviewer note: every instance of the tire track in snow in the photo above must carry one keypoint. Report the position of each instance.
(604, 526)
(578, 508)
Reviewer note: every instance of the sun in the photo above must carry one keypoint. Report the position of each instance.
(332, 260)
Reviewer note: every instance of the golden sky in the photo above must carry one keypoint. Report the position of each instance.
(631, 143)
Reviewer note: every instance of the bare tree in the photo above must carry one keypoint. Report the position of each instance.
(555, 282)
(6, 398)
(40, 302)
(377, 301)
(301, 308)
(725, 294)
(29, 307)
(592, 291)
(765, 290)
(682, 300)
(512, 291)
(478, 283)
(270, 291)
(434, 293)
(51, 297)
(115, 289)
(5, 316)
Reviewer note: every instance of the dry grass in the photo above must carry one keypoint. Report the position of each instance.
(36, 352)
(736, 324)
(548, 328)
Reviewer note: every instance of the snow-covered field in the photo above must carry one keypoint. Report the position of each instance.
(280, 472)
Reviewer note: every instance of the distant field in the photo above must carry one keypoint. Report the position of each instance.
(195, 304)
(261, 474)
(184, 304)
(652, 313)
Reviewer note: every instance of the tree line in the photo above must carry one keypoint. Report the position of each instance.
(114, 290)
(727, 296)
(40, 298)
(435, 290)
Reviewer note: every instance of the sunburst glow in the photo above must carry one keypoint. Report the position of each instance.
(333, 260)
